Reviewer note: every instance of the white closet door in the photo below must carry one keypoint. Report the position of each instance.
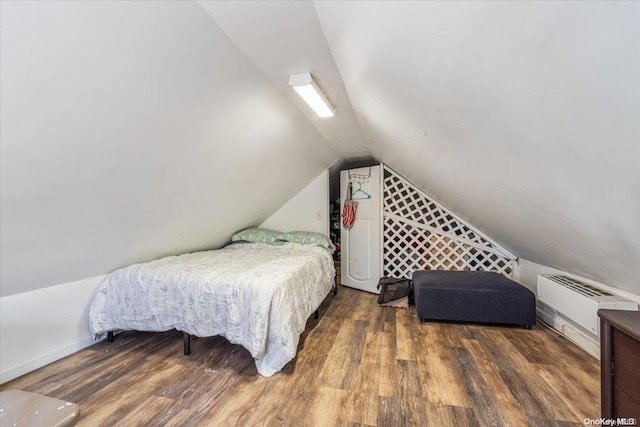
(360, 256)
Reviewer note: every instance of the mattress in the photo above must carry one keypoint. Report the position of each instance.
(255, 295)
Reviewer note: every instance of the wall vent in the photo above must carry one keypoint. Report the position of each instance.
(578, 286)
(579, 301)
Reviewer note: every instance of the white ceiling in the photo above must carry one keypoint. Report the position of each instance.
(132, 130)
(522, 117)
(284, 38)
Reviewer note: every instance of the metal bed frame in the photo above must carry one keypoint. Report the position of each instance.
(186, 338)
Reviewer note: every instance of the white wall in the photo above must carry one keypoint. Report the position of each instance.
(522, 117)
(41, 326)
(284, 38)
(133, 130)
(306, 211)
(529, 271)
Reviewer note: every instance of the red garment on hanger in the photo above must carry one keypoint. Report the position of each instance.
(349, 210)
(349, 213)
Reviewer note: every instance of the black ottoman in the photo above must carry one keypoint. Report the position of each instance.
(473, 296)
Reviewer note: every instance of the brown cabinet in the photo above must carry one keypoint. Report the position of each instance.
(620, 363)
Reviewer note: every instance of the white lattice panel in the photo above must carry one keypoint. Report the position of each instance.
(419, 234)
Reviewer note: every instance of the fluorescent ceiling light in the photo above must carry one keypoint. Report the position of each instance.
(311, 93)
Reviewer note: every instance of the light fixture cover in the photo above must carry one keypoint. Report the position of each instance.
(311, 93)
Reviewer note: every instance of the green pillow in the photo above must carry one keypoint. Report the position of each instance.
(307, 238)
(256, 235)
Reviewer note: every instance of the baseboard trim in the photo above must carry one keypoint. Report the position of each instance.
(564, 327)
(46, 359)
(39, 327)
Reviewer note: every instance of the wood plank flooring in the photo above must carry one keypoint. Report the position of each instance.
(358, 365)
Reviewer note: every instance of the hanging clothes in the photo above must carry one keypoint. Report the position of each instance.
(349, 210)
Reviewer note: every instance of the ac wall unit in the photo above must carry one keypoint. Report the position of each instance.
(579, 301)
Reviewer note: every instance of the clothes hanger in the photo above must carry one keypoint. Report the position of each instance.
(360, 190)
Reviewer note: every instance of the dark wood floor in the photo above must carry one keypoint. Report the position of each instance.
(358, 365)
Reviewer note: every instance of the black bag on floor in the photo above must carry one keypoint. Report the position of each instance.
(392, 288)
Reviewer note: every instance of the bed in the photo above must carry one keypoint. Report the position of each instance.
(257, 295)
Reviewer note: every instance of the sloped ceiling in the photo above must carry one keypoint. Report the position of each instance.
(522, 117)
(133, 130)
(136, 129)
(284, 38)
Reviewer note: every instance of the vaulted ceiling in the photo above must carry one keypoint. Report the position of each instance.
(522, 117)
(131, 130)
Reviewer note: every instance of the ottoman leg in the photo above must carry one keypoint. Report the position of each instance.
(527, 327)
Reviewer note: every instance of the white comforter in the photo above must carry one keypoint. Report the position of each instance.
(256, 295)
